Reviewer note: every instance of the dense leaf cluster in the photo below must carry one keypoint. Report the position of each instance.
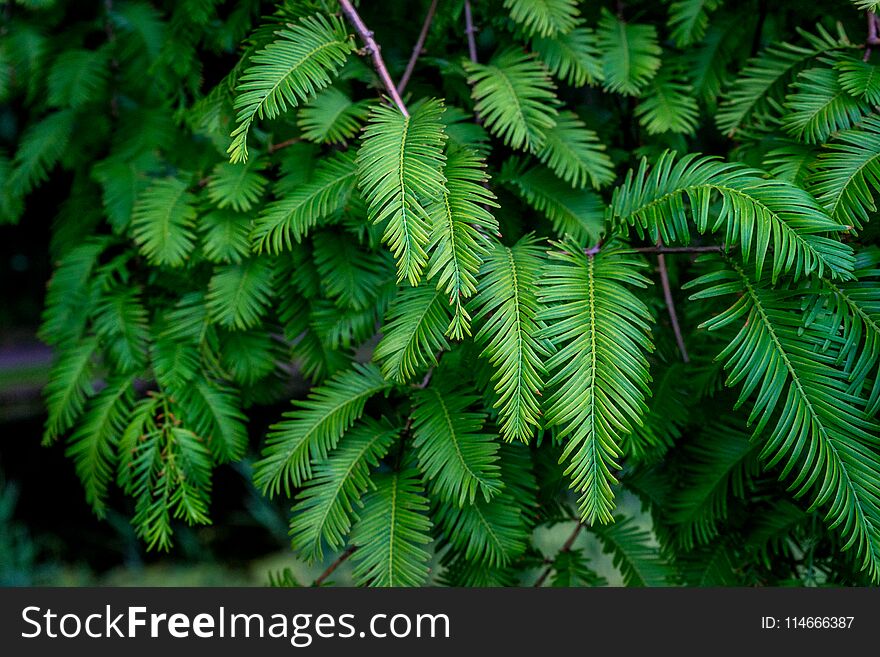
(467, 277)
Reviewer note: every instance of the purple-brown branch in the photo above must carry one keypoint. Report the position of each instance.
(417, 49)
(670, 305)
(372, 48)
(872, 39)
(469, 31)
(333, 566)
(566, 547)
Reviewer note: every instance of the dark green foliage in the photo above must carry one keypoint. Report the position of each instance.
(461, 286)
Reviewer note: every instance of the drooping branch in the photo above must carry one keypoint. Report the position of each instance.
(469, 31)
(417, 49)
(372, 48)
(566, 547)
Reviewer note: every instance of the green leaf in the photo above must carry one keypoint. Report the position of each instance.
(239, 294)
(507, 316)
(391, 532)
(819, 106)
(630, 54)
(859, 79)
(599, 378)
(456, 456)
(575, 154)
(544, 17)
(163, 222)
(400, 167)
(668, 105)
(239, 186)
(70, 385)
(314, 427)
(332, 118)
(514, 98)
(325, 507)
(688, 20)
(292, 69)
(573, 57)
(633, 554)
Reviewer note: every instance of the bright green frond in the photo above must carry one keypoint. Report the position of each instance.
(332, 117)
(575, 154)
(544, 17)
(573, 57)
(668, 105)
(514, 97)
(70, 385)
(292, 69)
(314, 427)
(819, 106)
(859, 79)
(413, 334)
(290, 218)
(239, 186)
(633, 552)
(766, 218)
(392, 531)
(41, 147)
(630, 54)
(457, 457)
(324, 510)
(239, 294)
(688, 20)
(599, 378)
(400, 168)
(507, 314)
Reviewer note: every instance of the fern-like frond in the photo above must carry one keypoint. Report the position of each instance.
(819, 106)
(392, 531)
(576, 212)
(633, 553)
(766, 75)
(573, 57)
(292, 69)
(163, 222)
(77, 78)
(400, 167)
(239, 186)
(332, 117)
(756, 213)
(507, 313)
(820, 433)
(668, 105)
(717, 466)
(323, 510)
(213, 411)
(414, 332)
(575, 154)
(93, 445)
(122, 324)
(41, 147)
(459, 239)
(599, 377)
(630, 54)
(290, 218)
(847, 174)
(225, 235)
(239, 294)
(688, 20)
(314, 427)
(457, 457)
(70, 385)
(859, 79)
(514, 97)
(544, 17)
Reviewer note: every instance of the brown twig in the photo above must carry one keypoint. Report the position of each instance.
(469, 31)
(417, 49)
(372, 48)
(284, 144)
(670, 304)
(333, 566)
(566, 547)
(679, 249)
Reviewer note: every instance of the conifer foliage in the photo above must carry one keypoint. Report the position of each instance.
(583, 253)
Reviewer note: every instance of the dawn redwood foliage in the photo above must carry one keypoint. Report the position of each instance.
(579, 248)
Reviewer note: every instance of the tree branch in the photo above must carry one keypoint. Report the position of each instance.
(679, 249)
(670, 305)
(872, 39)
(417, 49)
(566, 547)
(469, 31)
(372, 48)
(333, 566)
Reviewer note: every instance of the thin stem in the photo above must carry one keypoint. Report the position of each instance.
(566, 547)
(333, 566)
(679, 249)
(284, 144)
(417, 49)
(670, 305)
(469, 31)
(872, 39)
(372, 48)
